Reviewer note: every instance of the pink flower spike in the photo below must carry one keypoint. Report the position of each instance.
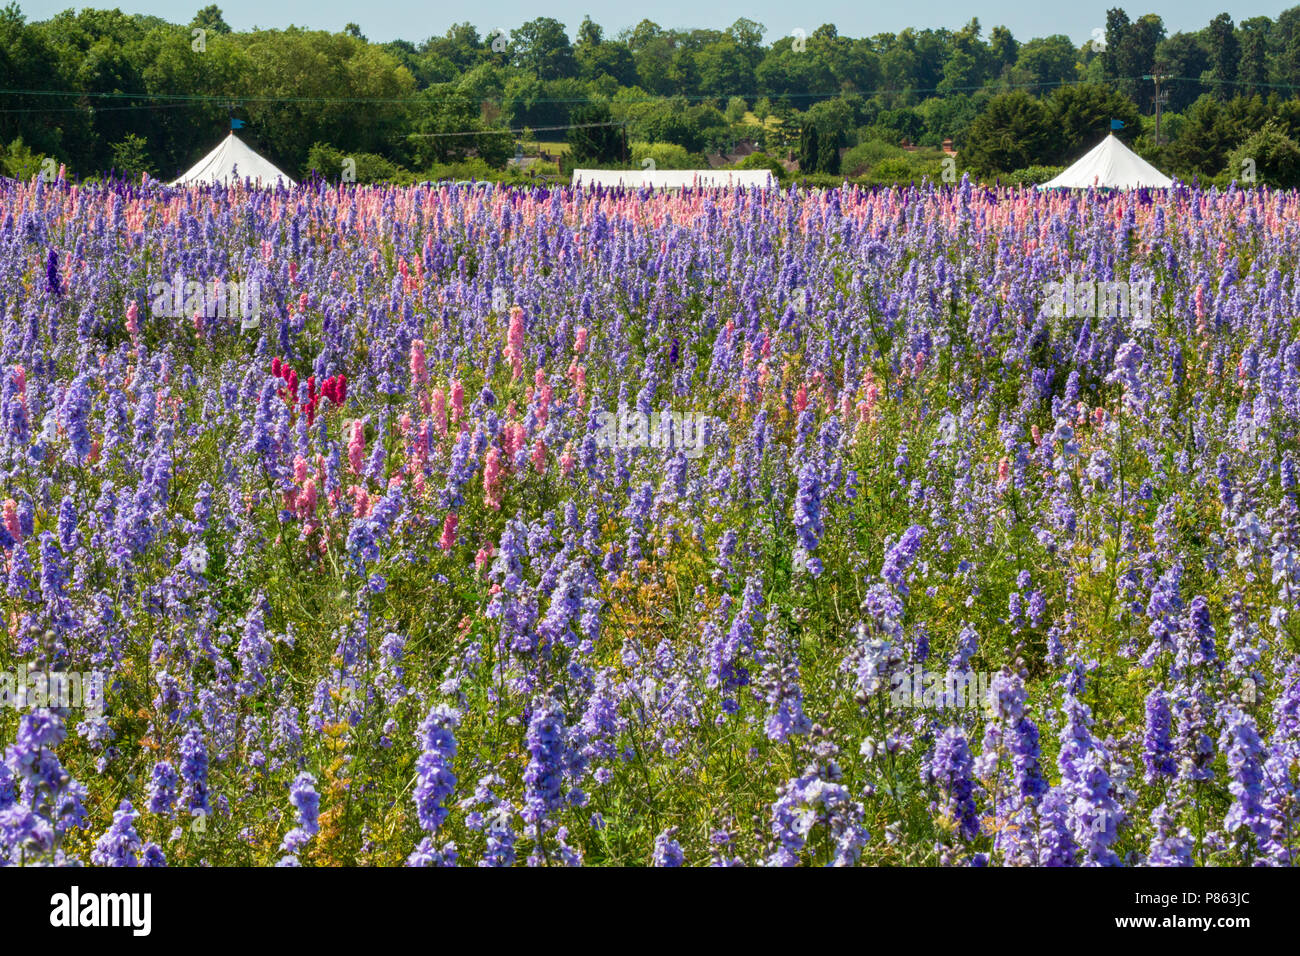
(448, 539)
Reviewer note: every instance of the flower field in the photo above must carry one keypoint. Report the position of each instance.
(473, 526)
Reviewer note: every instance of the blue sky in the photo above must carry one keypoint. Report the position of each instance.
(417, 19)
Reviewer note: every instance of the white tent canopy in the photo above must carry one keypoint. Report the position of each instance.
(233, 161)
(1110, 165)
(672, 178)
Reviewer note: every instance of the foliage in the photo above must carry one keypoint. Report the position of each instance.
(457, 96)
(1013, 132)
(20, 162)
(1081, 117)
(595, 136)
(1030, 176)
(1273, 156)
(763, 161)
(131, 156)
(330, 164)
(809, 148)
(664, 156)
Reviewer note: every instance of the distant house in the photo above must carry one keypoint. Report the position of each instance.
(742, 149)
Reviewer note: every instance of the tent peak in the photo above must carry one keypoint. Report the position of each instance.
(1110, 165)
(233, 160)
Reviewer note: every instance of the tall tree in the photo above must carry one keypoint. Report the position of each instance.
(1048, 61)
(29, 61)
(594, 137)
(1081, 117)
(1117, 27)
(1286, 35)
(652, 51)
(1138, 59)
(1253, 68)
(809, 148)
(1013, 132)
(1184, 58)
(828, 152)
(211, 19)
(542, 47)
(1003, 50)
(598, 58)
(1225, 53)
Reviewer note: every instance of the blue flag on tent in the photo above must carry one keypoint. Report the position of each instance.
(239, 124)
(1116, 124)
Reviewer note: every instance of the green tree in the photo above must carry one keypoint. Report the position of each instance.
(306, 87)
(807, 76)
(828, 152)
(1050, 61)
(449, 127)
(1185, 57)
(1003, 50)
(1130, 51)
(652, 50)
(684, 72)
(330, 164)
(29, 61)
(597, 57)
(1117, 29)
(1080, 118)
(210, 19)
(944, 117)
(724, 70)
(1253, 67)
(663, 155)
(20, 162)
(1013, 132)
(131, 156)
(1138, 59)
(542, 47)
(1211, 129)
(1272, 154)
(967, 64)
(809, 148)
(1286, 41)
(595, 138)
(1225, 53)
(461, 45)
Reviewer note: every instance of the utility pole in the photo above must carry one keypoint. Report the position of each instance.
(1159, 98)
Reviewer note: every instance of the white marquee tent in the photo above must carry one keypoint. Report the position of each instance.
(672, 178)
(233, 161)
(1110, 165)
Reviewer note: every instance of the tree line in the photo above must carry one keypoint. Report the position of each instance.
(103, 90)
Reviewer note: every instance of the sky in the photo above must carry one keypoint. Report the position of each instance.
(415, 20)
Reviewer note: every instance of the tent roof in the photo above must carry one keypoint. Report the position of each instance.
(672, 178)
(1110, 165)
(233, 160)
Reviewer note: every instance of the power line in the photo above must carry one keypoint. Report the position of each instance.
(516, 132)
(100, 109)
(426, 100)
(181, 101)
